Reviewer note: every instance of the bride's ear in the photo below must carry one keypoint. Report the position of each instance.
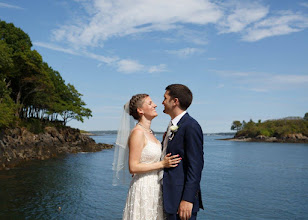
(140, 111)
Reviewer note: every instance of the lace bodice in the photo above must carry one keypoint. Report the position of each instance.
(151, 152)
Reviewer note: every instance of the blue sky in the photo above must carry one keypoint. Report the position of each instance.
(242, 59)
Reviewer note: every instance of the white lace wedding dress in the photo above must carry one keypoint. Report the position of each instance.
(144, 199)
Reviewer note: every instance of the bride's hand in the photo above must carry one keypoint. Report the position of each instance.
(171, 161)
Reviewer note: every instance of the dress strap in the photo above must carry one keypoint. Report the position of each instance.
(146, 136)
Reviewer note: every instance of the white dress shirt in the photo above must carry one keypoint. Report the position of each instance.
(176, 120)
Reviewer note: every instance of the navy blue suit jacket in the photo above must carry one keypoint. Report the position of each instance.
(183, 182)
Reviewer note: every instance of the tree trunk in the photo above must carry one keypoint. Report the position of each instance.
(18, 103)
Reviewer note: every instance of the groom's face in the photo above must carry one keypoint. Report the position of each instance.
(168, 103)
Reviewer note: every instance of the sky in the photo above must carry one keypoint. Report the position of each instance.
(242, 60)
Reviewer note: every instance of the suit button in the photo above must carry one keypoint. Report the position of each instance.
(197, 193)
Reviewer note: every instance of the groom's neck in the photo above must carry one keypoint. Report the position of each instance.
(176, 112)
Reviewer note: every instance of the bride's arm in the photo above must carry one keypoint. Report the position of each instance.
(136, 143)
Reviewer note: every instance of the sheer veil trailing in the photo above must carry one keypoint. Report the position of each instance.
(120, 160)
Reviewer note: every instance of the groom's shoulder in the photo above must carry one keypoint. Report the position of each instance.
(191, 119)
(191, 122)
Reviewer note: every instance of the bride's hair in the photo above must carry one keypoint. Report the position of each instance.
(136, 102)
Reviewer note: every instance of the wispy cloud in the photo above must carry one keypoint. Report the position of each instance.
(129, 66)
(160, 68)
(5, 5)
(254, 21)
(132, 66)
(290, 79)
(304, 4)
(107, 60)
(263, 82)
(116, 18)
(285, 22)
(185, 52)
(55, 47)
(123, 65)
(192, 36)
(101, 58)
(238, 16)
(105, 19)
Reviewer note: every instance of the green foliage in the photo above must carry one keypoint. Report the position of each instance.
(74, 106)
(30, 90)
(15, 37)
(306, 116)
(7, 109)
(265, 132)
(34, 125)
(37, 126)
(236, 125)
(274, 128)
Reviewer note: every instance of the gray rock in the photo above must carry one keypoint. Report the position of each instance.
(19, 145)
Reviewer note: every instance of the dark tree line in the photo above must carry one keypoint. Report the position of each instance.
(29, 87)
(272, 128)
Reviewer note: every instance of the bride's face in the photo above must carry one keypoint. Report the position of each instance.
(148, 108)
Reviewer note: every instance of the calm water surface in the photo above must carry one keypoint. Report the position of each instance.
(240, 181)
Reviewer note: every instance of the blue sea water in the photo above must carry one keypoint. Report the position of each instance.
(240, 181)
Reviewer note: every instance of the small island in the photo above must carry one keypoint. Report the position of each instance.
(285, 130)
(35, 105)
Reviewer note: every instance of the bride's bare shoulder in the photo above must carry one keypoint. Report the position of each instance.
(136, 132)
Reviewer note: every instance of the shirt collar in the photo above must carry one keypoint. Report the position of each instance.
(176, 120)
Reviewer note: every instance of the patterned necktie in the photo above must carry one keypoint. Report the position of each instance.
(163, 154)
(165, 143)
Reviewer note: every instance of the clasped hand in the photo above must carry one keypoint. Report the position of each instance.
(171, 161)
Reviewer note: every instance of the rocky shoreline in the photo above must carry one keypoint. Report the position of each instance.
(289, 138)
(18, 145)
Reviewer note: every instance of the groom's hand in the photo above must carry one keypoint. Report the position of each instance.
(185, 210)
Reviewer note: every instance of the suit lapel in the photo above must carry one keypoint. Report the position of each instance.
(182, 120)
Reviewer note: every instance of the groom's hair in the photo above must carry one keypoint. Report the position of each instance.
(181, 92)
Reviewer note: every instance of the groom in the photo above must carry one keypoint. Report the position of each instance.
(181, 185)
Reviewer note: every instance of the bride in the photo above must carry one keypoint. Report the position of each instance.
(143, 150)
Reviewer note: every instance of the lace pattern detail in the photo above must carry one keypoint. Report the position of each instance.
(144, 200)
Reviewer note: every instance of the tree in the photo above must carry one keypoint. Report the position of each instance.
(29, 88)
(6, 65)
(236, 125)
(7, 107)
(15, 37)
(74, 106)
(306, 116)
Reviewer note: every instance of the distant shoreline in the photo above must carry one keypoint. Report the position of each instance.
(99, 133)
(267, 140)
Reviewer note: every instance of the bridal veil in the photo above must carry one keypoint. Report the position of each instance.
(120, 169)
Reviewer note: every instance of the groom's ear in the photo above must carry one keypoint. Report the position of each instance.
(176, 101)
